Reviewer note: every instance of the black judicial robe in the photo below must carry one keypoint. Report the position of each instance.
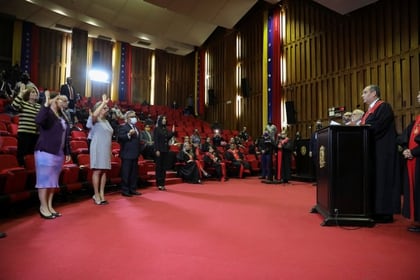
(188, 170)
(387, 191)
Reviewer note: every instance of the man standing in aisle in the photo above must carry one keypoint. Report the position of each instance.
(380, 117)
(68, 90)
(129, 139)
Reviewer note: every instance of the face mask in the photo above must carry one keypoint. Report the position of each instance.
(133, 120)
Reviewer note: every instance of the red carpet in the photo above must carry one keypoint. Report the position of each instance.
(241, 229)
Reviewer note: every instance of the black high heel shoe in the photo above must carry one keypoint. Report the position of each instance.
(46, 217)
(56, 214)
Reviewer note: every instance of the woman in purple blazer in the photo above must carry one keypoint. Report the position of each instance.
(50, 150)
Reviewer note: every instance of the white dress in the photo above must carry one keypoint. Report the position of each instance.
(100, 146)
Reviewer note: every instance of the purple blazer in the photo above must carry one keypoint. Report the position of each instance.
(50, 132)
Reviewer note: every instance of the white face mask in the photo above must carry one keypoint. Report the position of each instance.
(133, 121)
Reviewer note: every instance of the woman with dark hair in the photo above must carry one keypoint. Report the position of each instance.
(51, 148)
(161, 136)
(189, 170)
(213, 159)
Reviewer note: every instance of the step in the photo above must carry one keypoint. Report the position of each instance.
(168, 181)
(171, 178)
(169, 174)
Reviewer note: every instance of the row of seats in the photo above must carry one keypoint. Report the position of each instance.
(18, 183)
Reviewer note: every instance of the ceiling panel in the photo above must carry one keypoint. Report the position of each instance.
(344, 6)
(178, 24)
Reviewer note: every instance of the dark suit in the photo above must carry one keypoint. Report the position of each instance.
(129, 153)
(68, 90)
(146, 145)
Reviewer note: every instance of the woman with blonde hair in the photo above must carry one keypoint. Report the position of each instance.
(51, 148)
(100, 149)
(356, 116)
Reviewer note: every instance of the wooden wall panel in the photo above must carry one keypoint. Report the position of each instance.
(378, 44)
(141, 74)
(52, 59)
(79, 43)
(174, 78)
(231, 109)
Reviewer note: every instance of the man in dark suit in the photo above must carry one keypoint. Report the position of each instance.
(129, 139)
(313, 148)
(380, 117)
(68, 90)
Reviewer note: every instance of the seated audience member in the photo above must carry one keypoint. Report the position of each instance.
(236, 158)
(205, 146)
(218, 139)
(244, 134)
(346, 118)
(149, 120)
(174, 105)
(196, 138)
(212, 159)
(146, 143)
(189, 170)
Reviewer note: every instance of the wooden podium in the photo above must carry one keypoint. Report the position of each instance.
(345, 176)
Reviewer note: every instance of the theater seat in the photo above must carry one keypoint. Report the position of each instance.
(8, 145)
(78, 135)
(83, 160)
(78, 147)
(69, 177)
(13, 178)
(3, 129)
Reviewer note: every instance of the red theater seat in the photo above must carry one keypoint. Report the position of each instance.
(13, 179)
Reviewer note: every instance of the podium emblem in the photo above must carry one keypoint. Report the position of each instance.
(303, 150)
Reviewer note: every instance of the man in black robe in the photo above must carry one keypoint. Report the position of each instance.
(380, 117)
